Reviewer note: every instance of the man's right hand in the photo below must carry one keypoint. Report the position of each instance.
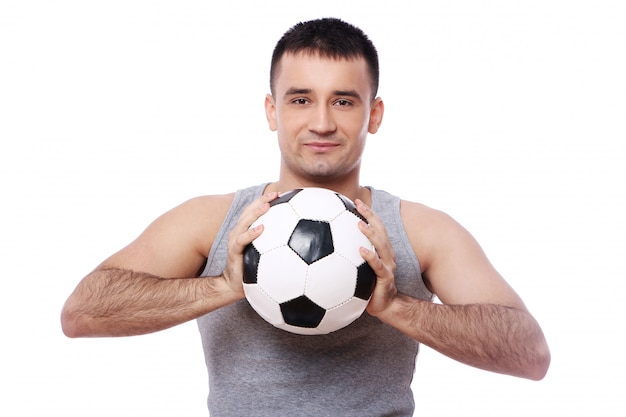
(241, 236)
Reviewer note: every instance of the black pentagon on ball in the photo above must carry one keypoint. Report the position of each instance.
(285, 197)
(251, 258)
(365, 282)
(311, 240)
(349, 205)
(302, 312)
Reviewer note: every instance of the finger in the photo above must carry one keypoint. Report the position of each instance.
(367, 213)
(374, 261)
(375, 231)
(262, 204)
(242, 233)
(244, 239)
(253, 211)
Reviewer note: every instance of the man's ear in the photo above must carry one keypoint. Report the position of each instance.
(376, 115)
(270, 112)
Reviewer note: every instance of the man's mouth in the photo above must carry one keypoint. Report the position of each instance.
(319, 146)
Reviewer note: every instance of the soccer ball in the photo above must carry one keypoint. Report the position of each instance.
(304, 273)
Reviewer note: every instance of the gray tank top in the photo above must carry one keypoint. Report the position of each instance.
(364, 369)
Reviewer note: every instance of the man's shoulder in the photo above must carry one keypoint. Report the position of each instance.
(212, 201)
(202, 214)
(424, 216)
(416, 208)
(430, 230)
(222, 202)
(412, 213)
(214, 208)
(202, 208)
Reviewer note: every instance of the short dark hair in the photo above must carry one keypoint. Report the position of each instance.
(330, 38)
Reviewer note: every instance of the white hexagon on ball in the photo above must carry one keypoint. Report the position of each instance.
(278, 223)
(307, 204)
(335, 272)
(282, 274)
(265, 307)
(342, 315)
(346, 242)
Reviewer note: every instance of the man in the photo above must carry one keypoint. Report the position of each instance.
(323, 104)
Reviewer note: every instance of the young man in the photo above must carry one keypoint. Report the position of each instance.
(323, 104)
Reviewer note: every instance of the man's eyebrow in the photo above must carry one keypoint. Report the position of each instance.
(347, 93)
(295, 91)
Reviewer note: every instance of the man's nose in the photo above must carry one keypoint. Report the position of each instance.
(322, 121)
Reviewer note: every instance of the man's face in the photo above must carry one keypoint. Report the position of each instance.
(322, 111)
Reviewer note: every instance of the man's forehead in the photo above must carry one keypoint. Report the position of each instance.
(310, 63)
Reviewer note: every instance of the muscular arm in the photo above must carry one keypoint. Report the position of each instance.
(488, 336)
(151, 284)
(122, 302)
(482, 321)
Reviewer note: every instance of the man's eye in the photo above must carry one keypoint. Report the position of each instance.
(300, 101)
(342, 103)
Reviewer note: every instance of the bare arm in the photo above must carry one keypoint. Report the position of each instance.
(152, 284)
(488, 336)
(122, 302)
(482, 321)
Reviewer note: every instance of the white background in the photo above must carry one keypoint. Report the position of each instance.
(508, 115)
